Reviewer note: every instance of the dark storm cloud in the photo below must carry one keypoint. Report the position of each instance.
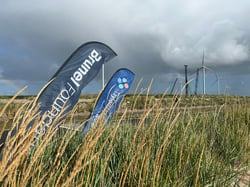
(152, 38)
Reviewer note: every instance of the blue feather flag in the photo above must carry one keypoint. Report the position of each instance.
(111, 96)
(64, 89)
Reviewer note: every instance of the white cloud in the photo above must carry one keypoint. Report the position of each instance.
(174, 31)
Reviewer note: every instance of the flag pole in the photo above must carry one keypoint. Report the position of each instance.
(103, 76)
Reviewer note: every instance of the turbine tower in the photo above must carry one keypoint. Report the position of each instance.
(203, 67)
(196, 81)
(186, 79)
(218, 82)
(218, 85)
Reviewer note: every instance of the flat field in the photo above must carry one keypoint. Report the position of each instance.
(152, 140)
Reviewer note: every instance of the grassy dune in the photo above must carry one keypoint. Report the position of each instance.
(170, 143)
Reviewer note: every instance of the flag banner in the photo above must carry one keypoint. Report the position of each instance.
(111, 97)
(64, 90)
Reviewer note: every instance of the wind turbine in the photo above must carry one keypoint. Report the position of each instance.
(218, 79)
(204, 68)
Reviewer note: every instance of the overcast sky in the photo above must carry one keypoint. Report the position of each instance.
(153, 38)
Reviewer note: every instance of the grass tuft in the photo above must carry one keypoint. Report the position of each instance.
(154, 144)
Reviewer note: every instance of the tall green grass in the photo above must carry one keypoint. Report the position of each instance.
(171, 147)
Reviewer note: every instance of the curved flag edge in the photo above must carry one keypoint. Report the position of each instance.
(75, 51)
(52, 79)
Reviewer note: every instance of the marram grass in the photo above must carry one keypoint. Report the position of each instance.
(177, 146)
